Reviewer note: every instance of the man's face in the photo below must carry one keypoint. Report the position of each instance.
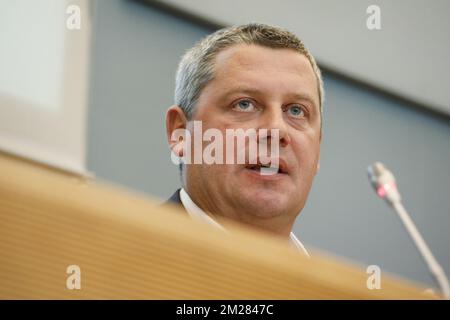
(261, 88)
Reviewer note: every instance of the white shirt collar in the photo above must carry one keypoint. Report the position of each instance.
(197, 213)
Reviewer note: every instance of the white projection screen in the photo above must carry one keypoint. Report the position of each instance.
(44, 80)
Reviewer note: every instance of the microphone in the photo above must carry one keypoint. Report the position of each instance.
(383, 181)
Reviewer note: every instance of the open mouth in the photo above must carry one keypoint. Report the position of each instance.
(266, 169)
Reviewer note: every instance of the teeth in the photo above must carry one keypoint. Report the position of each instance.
(266, 171)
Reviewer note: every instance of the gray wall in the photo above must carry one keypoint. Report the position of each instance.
(134, 57)
(411, 31)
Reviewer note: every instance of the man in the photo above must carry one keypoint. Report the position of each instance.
(243, 77)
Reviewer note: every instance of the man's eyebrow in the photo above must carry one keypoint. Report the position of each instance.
(305, 97)
(241, 89)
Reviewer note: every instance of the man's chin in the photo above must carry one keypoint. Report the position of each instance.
(266, 202)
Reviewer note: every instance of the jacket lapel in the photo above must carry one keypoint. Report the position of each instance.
(175, 200)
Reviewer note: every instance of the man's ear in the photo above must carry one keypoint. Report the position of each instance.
(175, 122)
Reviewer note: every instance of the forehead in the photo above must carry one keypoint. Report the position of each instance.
(270, 69)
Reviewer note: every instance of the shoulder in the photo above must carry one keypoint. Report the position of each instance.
(174, 199)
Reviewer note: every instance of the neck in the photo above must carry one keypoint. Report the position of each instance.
(279, 225)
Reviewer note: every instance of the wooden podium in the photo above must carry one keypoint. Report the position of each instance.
(129, 247)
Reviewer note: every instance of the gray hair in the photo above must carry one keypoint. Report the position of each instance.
(196, 68)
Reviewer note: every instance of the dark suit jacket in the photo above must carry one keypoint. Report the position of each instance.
(175, 200)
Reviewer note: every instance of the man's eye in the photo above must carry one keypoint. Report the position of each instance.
(296, 111)
(244, 106)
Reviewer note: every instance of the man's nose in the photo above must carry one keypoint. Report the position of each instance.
(273, 119)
